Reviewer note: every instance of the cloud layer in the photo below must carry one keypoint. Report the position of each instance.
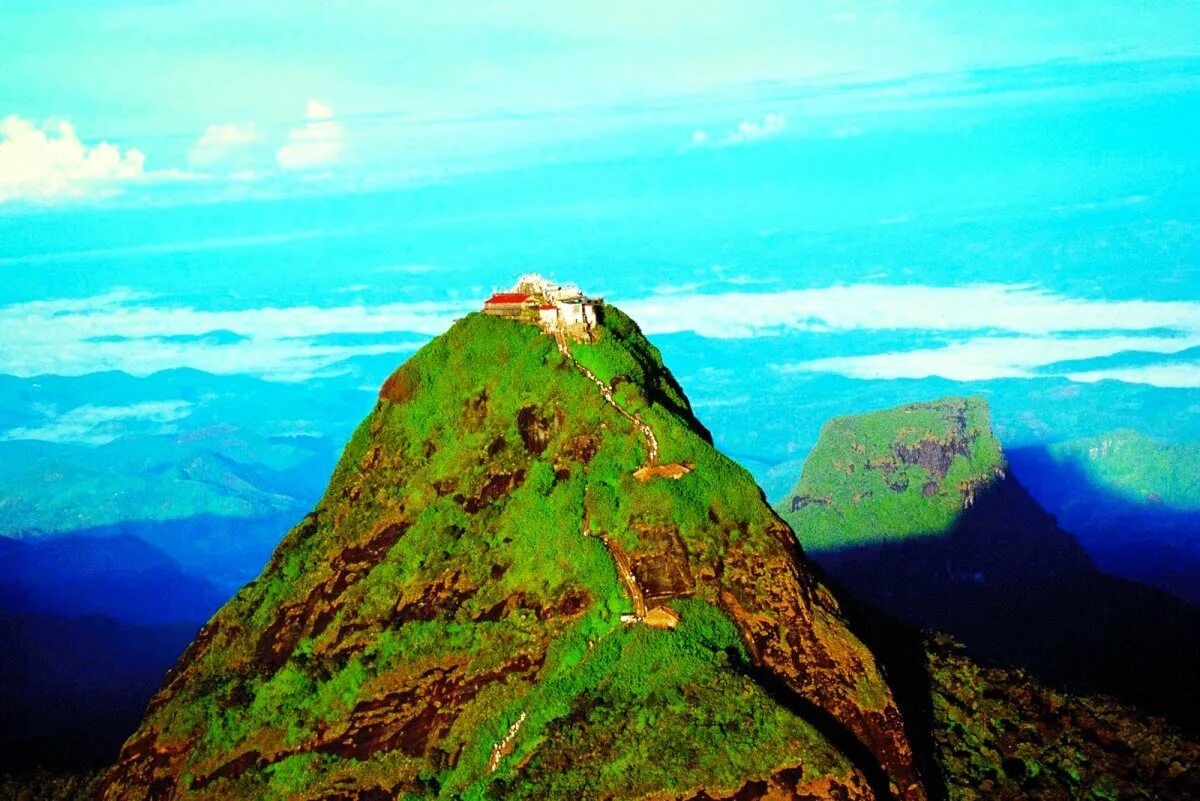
(746, 132)
(857, 307)
(50, 163)
(995, 330)
(222, 142)
(96, 425)
(982, 332)
(135, 333)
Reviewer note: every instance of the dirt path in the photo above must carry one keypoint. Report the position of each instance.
(625, 571)
(606, 392)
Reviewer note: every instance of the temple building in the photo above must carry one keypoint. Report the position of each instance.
(556, 308)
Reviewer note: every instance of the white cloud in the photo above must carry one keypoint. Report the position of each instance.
(1104, 205)
(745, 132)
(220, 142)
(1004, 331)
(51, 163)
(1002, 307)
(1185, 375)
(771, 125)
(985, 358)
(130, 332)
(96, 425)
(319, 142)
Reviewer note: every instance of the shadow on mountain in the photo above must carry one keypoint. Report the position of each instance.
(1143, 541)
(90, 623)
(121, 577)
(72, 689)
(227, 552)
(1017, 589)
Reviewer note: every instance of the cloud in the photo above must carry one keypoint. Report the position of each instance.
(51, 163)
(1171, 376)
(1018, 309)
(986, 358)
(96, 425)
(140, 334)
(997, 330)
(745, 132)
(1103, 205)
(319, 142)
(221, 143)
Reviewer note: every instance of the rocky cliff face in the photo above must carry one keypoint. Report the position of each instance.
(893, 475)
(488, 602)
(911, 510)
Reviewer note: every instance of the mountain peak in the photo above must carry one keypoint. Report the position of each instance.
(894, 474)
(531, 575)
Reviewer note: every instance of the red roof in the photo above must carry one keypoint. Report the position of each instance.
(547, 306)
(507, 297)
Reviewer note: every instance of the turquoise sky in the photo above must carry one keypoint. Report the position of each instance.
(229, 99)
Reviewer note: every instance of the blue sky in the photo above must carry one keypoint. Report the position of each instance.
(222, 100)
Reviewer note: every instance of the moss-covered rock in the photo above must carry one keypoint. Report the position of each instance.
(895, 474)
(453, 619)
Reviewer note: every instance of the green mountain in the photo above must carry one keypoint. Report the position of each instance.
(892, 475)
(531, 576)
(913, 511)
(52, 487)
(1131, 499)
(1136, 467)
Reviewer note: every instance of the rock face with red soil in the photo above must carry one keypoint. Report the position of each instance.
(451, 621)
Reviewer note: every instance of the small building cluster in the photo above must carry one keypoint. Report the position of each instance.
(555, 307)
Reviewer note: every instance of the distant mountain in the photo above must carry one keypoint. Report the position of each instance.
(912, 509)
(88, 628)
(1132, 500)
(893, 475)
(120, 577)
(48, 487)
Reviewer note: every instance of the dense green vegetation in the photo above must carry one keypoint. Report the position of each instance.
(479, 494)
(1000, 735)
(675, 717)
(46, 786)
(1137, 467)
(893, 474)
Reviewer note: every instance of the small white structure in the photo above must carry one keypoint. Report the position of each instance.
(557, 308)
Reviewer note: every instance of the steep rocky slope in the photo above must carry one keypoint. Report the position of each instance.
(488, 602)
(912, 510)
